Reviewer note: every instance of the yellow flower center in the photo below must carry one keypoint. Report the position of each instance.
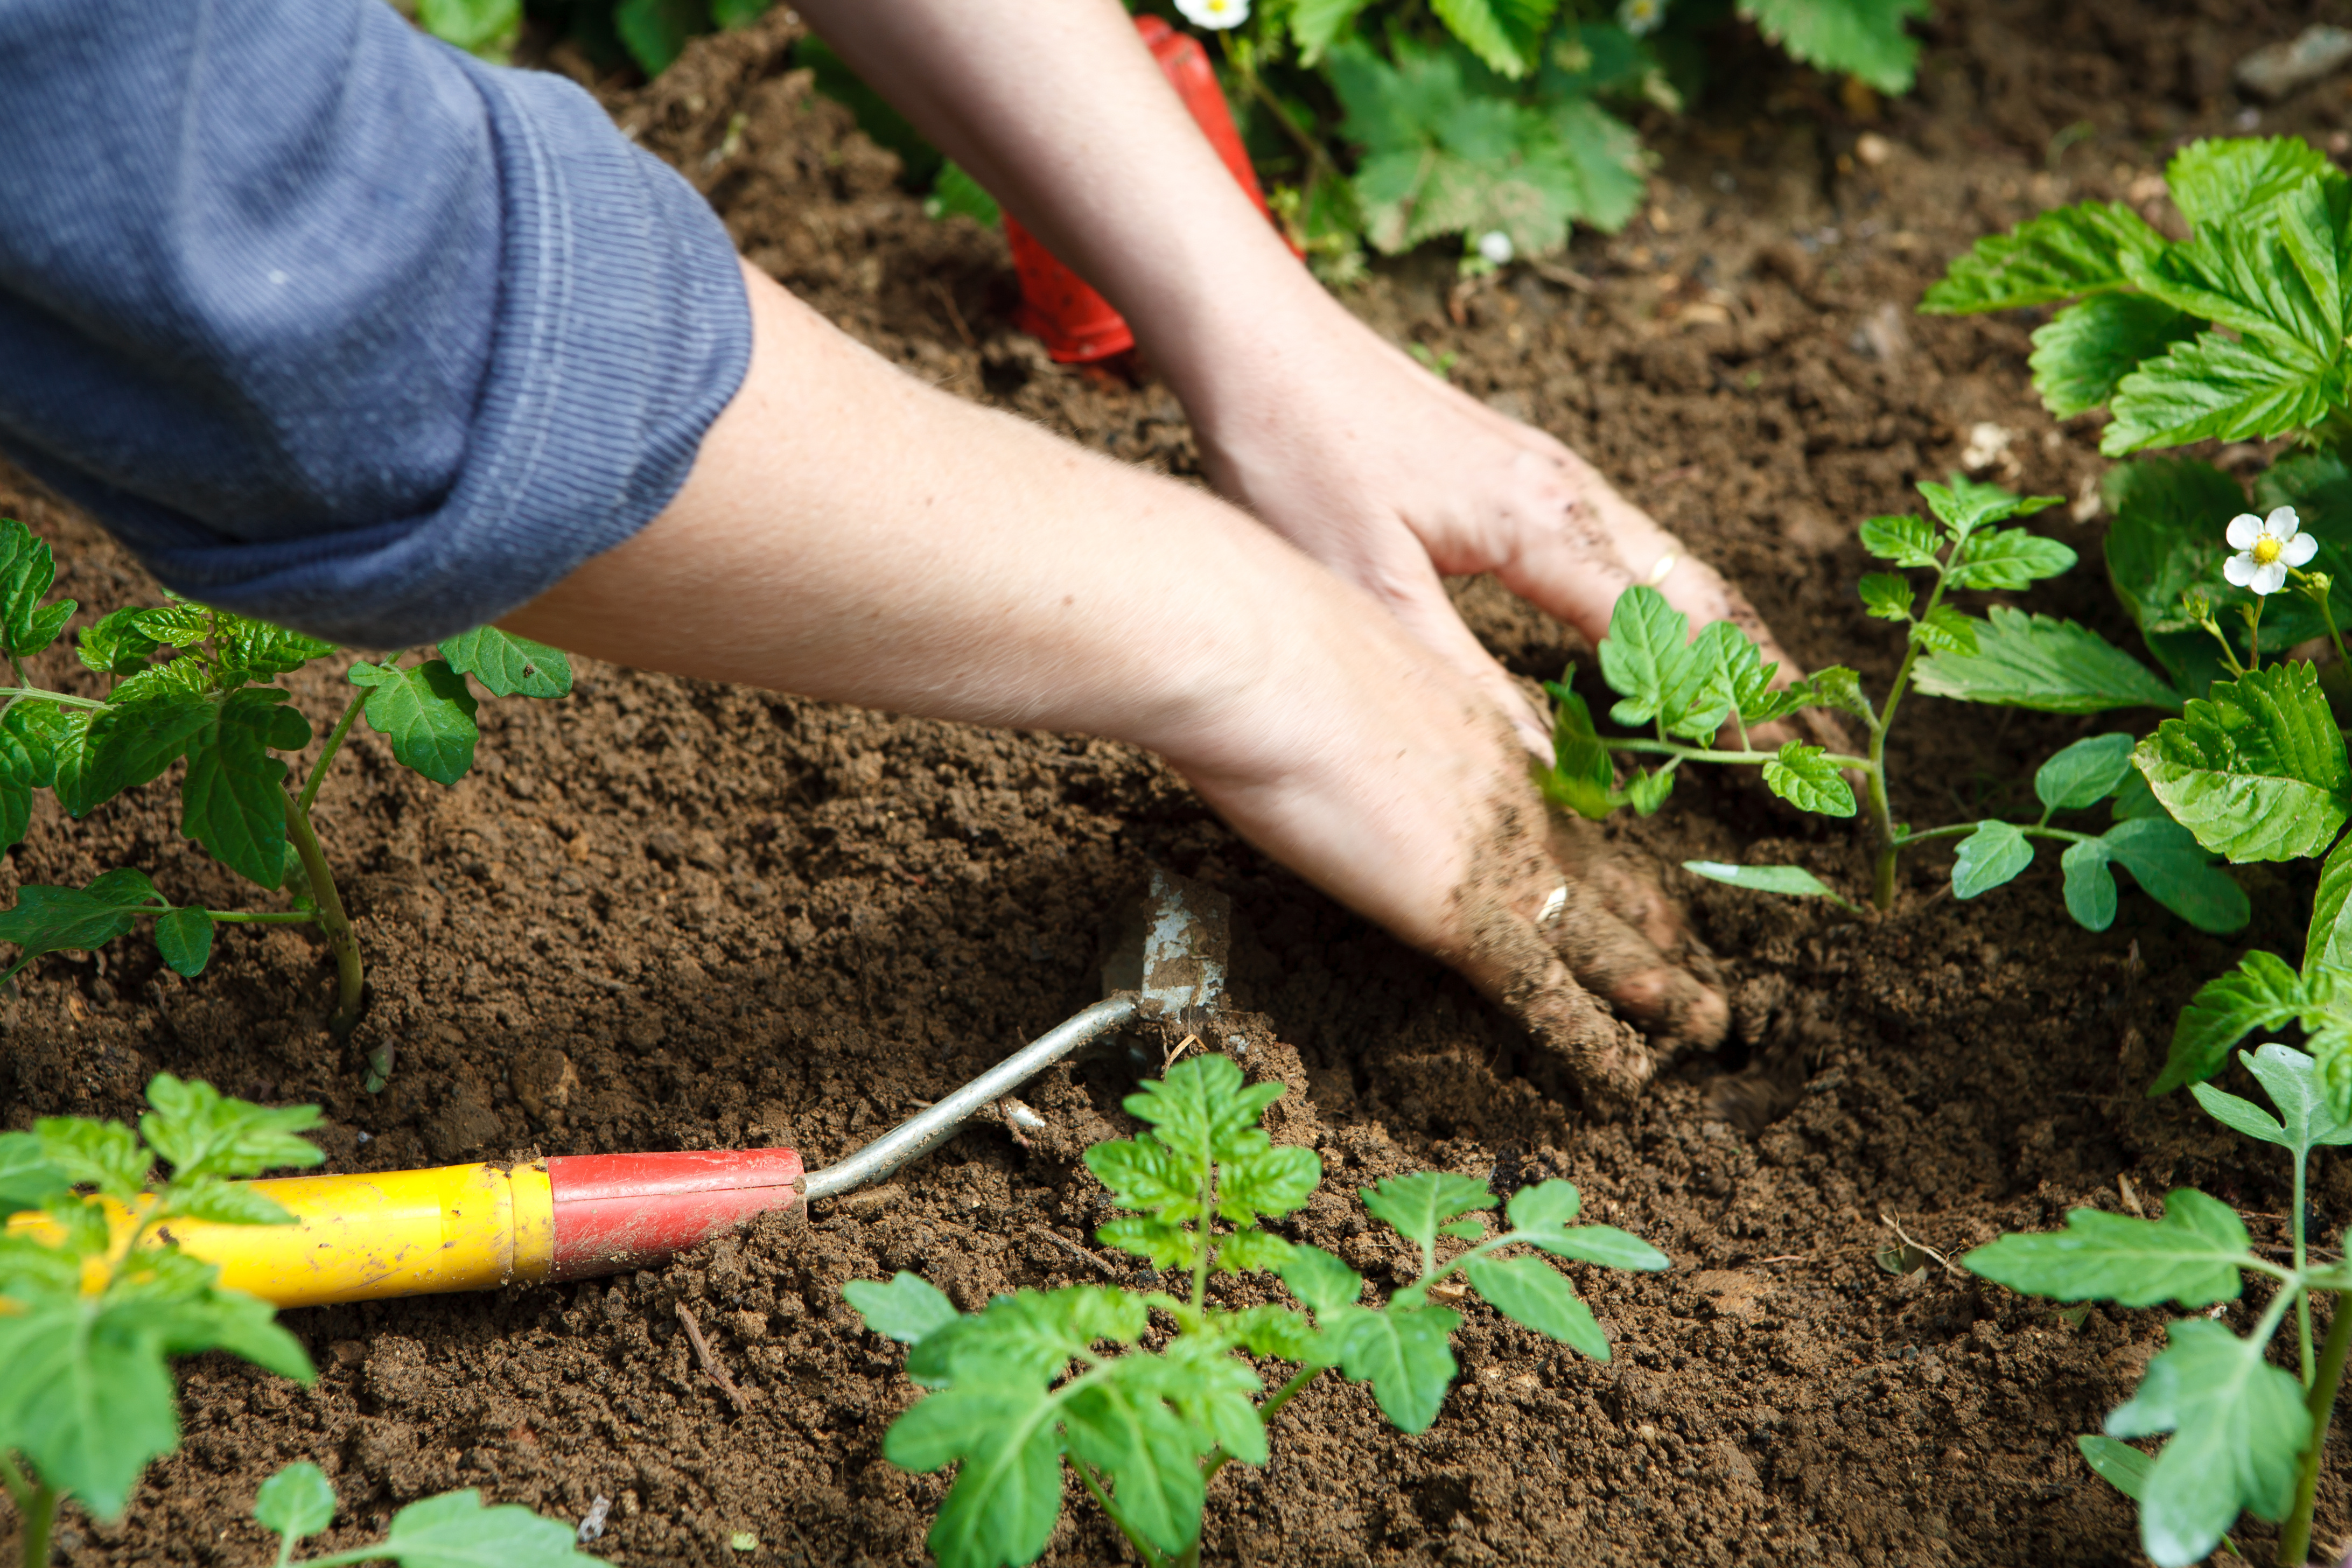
(2266, 549)
(96, 1274)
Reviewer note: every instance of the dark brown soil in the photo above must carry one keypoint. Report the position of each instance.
(672, 915)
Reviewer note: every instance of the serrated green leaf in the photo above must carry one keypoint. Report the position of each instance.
(1417, 1205)
(1267, 1184)
(2238, 1427)
(2291, 1079)
(64, 920)
(2262, 993)
(477, 27)
(2063, 253)
(216, 1201)
(1861, 38)
(113, 644)
(184, 939)
(89, 1403)
(257, 650)
(1840, 688)
(1964, 505)
(1646, 791)
(202, 1132)
(1543, 1205)
(2328, 940)
(2088, 347)
(2119, 1465)
(2007, 559)
(144, 730)
(2172, 868)
(29, 1179)
(2191, 1258)
(1505, 34)
(1581, 776)
(2256, 769)
(1320, 1280)
(1703, 690)
(1603, 1244)
(1532, 1294)
(2090, 886)
(1128, 1434)
(2086, 772)
(1905, 541)
(1403, 1352)
(2034, 661)
(1803, 777)
(233, 797)
(1887, 596)
(1945, 630)
(1645, 651)
(455, 1531)
(1251, 1251)
(1027, 1337)
(905, 1309)
(1793, 881)
(1316, 25)
(103, 1154)
(2215, 180)
(2212, 388)
(26, 572)
(507, 665)
(299, 1500)
(425, 711)
(1994, 854)
(1162, 1243)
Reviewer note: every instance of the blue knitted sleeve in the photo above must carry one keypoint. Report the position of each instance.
(335, 325)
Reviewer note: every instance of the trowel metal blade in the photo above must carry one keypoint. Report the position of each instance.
(1170, 951)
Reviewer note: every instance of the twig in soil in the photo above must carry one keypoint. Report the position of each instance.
(954, 315)
(1953, 1269)
(1186, 1044)
(712, 1367)
(1566, 277)
(1020, 1120)
(1074, 1248)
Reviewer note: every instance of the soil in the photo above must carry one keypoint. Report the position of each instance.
(665, 914)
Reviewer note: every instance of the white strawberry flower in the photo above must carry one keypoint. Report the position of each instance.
(2266, 547)
(1640, 17)
(1495, 246)
(1214, 14)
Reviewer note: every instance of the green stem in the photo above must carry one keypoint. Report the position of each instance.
(334, 743)
(1962, 830)
(12, 692)
(37, 1505)
(2302, 1301)
(1144, 1548)
(340, 939)
(2254, 634)
(1681, 752)
(269, 918)
(2295, 1539)
(1244, 63)
(12, 1480)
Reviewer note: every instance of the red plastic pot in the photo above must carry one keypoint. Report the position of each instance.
(1077, 325)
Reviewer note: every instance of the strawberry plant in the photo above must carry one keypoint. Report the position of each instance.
(1038, 1379)
(1690, 692)
(2243, 1435)
(187, 683)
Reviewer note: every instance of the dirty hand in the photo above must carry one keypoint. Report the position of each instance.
(851, 533)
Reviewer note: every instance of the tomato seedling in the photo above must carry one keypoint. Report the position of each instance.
(190, 683)
(2243, 1435)
(1026, 1383)
(451, 1531)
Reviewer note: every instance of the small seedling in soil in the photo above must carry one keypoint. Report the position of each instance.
(2244, 1435)
(1689, 690)
(1038, 1378)
(189, 682)
(451, 1531)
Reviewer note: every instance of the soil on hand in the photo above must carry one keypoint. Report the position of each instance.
(665, 914)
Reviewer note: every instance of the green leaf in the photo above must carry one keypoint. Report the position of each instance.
(1793, 881)
(202, 1132)
(2239, 1428)
(2166, 861)
(2305, 1120)
(1027, 1337)
(1840, 688)
(955, 193)
(1888, 596)
(2213, 181)
(1272, 1331)
(2066, 252)
(29, 1179)
(103, 1154)
(233, 798)
(1543, 1205)
(1320, 1280)
(2262, 993)
(1645, 652)
(1124, 1428)
(2328, 940)
(1532, 1294)
(1604, 1244)
(2086, 772)
(474, 25)
(63, 919)
(1164, 1244)
(2256, 769)
(1008, 1493)
(1316, 25)
(2119, 1465)
(1946, 630)
(455, 1531)
(426, 713)
(1861, 38)
(297, 1502)
(1249, 1250)
(1994, 854)
(2213, 388)
(2090, 886)
(88, 1401)
(2191, 1258)
(1905, 541)
(1964, 505)
(216, 1201)
(143, 731)
(185, 938)
(1269, 1183)
(26, 572)
(905, 1309)
(507, 665)
(1505, 34)
(2090, 346)
(1646, 792)
(1802, 775)
(113, 644)
(2007, 559)
(2034, 661)
(248, 650)
(1418, 1204)
(656, 32)
(1403, 1352)
(1582, 777)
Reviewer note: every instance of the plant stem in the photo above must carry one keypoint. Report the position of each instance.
(264, 917)
(1681, 752)
(2327, 614)
(2302, 1301)
(12, 692)
(2294, 1538)
(1245, 62)
(37, 1507)
(340, 940)
(334, 743)
(1143, 1548)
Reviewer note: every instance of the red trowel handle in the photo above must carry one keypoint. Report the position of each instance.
(613, 1212)
(1077, 324)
